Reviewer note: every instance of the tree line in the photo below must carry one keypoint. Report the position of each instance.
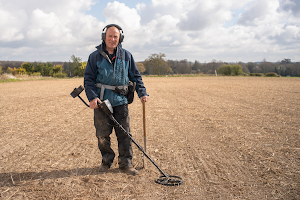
(156, 64)
(75, 67)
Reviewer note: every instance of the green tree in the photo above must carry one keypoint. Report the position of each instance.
(1, 69)
(225, 70)
(75, 64)
(28, 67)
(46, 69)
(156, 64)
(80, 69)
(140, 67)
(237, 70)
(57, 69)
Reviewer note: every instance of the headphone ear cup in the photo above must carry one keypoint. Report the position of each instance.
(121, 38)
(103, 36)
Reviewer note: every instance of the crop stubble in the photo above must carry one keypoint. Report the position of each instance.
(227, 137)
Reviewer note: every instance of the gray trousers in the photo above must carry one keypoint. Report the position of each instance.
(104, 127)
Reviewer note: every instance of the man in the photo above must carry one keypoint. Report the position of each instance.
(108, 67)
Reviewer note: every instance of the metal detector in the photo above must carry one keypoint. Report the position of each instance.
(108, 110)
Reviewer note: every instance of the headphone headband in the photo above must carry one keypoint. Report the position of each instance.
(111, 25)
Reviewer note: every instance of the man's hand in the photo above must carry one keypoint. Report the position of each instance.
(94, 103)
(144, 98)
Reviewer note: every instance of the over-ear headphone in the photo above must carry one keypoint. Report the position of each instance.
(118, 27)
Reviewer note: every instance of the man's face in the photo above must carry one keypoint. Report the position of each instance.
(112, 38)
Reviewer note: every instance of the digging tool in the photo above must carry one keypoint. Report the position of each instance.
(164, 179)
(144, 128)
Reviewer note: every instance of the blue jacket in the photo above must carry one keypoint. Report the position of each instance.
(100, 70)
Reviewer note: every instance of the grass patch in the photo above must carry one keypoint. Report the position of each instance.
(9, 80)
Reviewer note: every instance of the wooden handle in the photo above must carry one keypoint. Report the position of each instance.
(144, 124)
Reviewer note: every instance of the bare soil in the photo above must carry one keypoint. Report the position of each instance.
(227, 137)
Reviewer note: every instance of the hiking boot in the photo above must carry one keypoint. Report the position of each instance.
(130, 170)
(103, 168)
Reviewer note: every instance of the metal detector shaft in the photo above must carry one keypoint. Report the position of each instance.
(83, 101)
(121, 127)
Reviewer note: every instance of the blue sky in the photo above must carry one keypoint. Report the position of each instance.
(98, 7)
(202, 30)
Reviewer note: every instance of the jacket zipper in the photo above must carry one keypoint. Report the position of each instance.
(114, 66)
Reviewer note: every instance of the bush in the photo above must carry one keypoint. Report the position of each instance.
(229, 70)
(256, 74)
(237, 70)
(21, 71)
(59, 75)
(272, 74)
(36, 74)
(225, 70)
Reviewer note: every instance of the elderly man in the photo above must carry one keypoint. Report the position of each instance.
(108, 68)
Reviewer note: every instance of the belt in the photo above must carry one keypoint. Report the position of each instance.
(110, 87)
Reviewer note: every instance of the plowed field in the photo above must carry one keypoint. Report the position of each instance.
(227, 137)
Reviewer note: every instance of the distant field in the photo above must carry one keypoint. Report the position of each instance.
(227, 137)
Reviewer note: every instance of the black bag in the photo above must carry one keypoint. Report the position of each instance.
(130, 94)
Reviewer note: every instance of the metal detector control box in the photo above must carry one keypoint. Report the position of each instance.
(77, 91)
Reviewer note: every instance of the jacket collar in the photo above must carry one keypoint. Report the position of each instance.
(101, 49)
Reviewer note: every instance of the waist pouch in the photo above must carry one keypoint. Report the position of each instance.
(130, 93)
(124, 90)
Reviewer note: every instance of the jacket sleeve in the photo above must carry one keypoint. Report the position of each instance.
(135, 76)
(90, 76)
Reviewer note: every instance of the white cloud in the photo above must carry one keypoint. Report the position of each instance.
(182, 29)
(45, 28)
(12, 25)
(260, 12)
(120, 14)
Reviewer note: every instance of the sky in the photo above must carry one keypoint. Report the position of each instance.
(202, 30)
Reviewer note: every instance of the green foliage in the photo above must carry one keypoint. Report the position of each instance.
(80, 69)
(57, 68)
(29, 68)
(225, 70)
(46, 69)
(256, 74)
(237, 70)
(1, 72)
(59, 75)
(272, 74)
(228, 70)
(156, 64)
(9, 80)
(21, 71)
(36, 74)
(75, 66)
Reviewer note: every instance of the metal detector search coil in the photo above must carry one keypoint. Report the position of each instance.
(165, 179)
